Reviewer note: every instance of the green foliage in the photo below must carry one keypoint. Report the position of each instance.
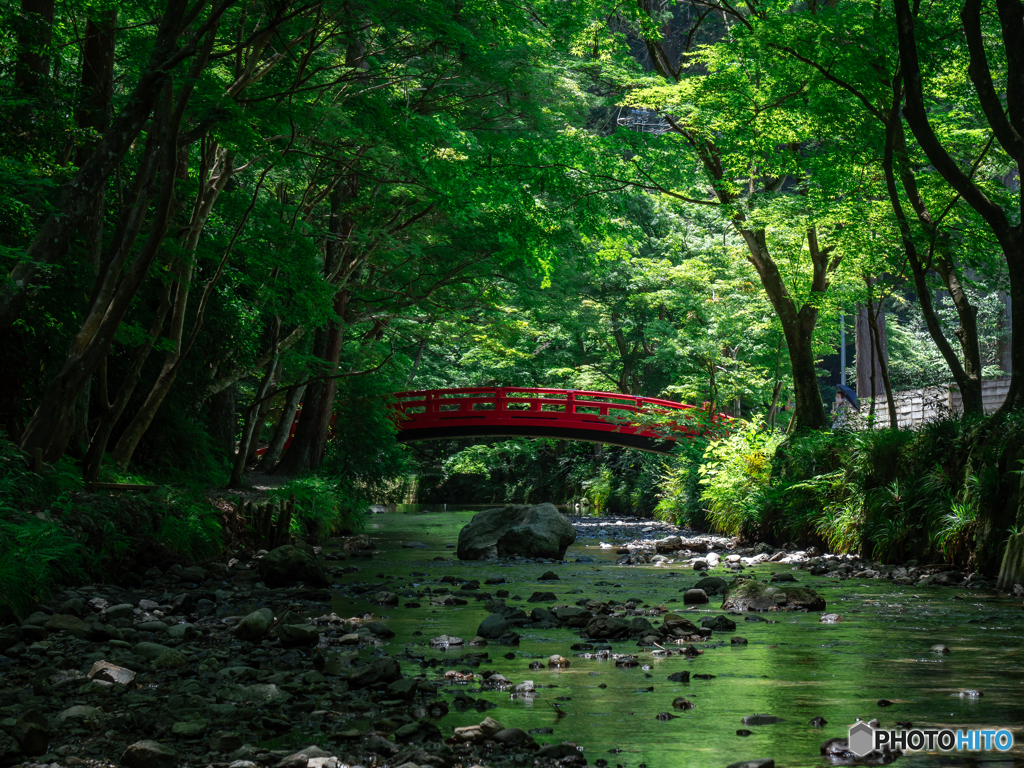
(323, 506)
(735, 476)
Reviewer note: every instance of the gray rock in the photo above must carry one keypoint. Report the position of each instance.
(298, 635)
(668, 545)
(170, 660)
(64, 622)
(149, 754)
(607, 628)
(762, 763)
(695, 597)
(539, 531)
(224, 741)
(719, 624)
(78, 713)
(265, 693)
(32, 732)
(379, 671)
(754, 596)
(149, 651)
(712, 585)
(111, 673)
(286, 565)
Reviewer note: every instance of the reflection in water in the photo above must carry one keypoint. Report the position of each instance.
(796, 669)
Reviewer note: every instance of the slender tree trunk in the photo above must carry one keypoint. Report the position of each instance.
(32, 69)
(252, 414)
(110, 412)
(223, 419)
(870, 354)
(310, 441)
(214, 178)
(283, 429)
(261, 417)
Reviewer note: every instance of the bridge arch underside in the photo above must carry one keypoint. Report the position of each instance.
(611, 437)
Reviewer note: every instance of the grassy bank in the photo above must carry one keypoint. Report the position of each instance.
(950, 491)
(53, 532)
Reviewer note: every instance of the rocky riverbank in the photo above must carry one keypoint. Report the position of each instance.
(246, 662)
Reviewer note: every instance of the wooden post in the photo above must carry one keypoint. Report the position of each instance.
(284, 523)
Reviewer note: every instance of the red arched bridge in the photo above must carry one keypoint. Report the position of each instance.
(647, 423)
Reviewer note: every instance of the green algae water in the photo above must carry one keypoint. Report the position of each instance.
(796, 669)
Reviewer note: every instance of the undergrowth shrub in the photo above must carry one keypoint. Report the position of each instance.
(945, 491)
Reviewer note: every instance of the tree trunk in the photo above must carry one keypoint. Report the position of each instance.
(32, 69)
(223, 420)
(50, 427)
(310, 441)
(214, 178)
(110, 412)
(249, 427)
(283, 429)
(870, 357)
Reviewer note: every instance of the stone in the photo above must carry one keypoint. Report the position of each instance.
(190, 728)
(10, 752)
(501, 622)
(719, 624)
(286, 565)
(738, 640)
(548, 576)
(762, 763)
(65, 622)
(254, 625)
(539, 531)
(512, 737)
(712, 585)
(170, 660)
(404, 689)
(298, 635)
(379, 629)
(261, 693)
(680, 677)
(939, 648)
(752, 595)
(182, 632)
(559, 752)
(607, 628)
(542, 597)
(111, 673)
(78, 713)
(194, 573)
(418, 732)
(224, 741)
(384, 598)
(695, 597)
(680, 703)
(668, 545)
(359, 543)
(149, 651)
(32, 732)
(379, 671)
(149, 754)
(557, 661)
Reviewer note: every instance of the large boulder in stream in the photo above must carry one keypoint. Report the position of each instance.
(286, 565)
(539, 531)
(750, 595)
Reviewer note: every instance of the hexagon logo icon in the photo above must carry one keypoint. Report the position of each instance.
(861, 739)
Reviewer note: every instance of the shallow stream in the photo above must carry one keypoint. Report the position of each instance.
(796, 669)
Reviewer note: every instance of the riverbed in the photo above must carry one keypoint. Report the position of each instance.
(796, 669)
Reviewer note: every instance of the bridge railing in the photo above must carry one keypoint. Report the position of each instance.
(490, 403)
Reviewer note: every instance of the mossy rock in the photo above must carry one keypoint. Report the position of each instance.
(756, 596)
